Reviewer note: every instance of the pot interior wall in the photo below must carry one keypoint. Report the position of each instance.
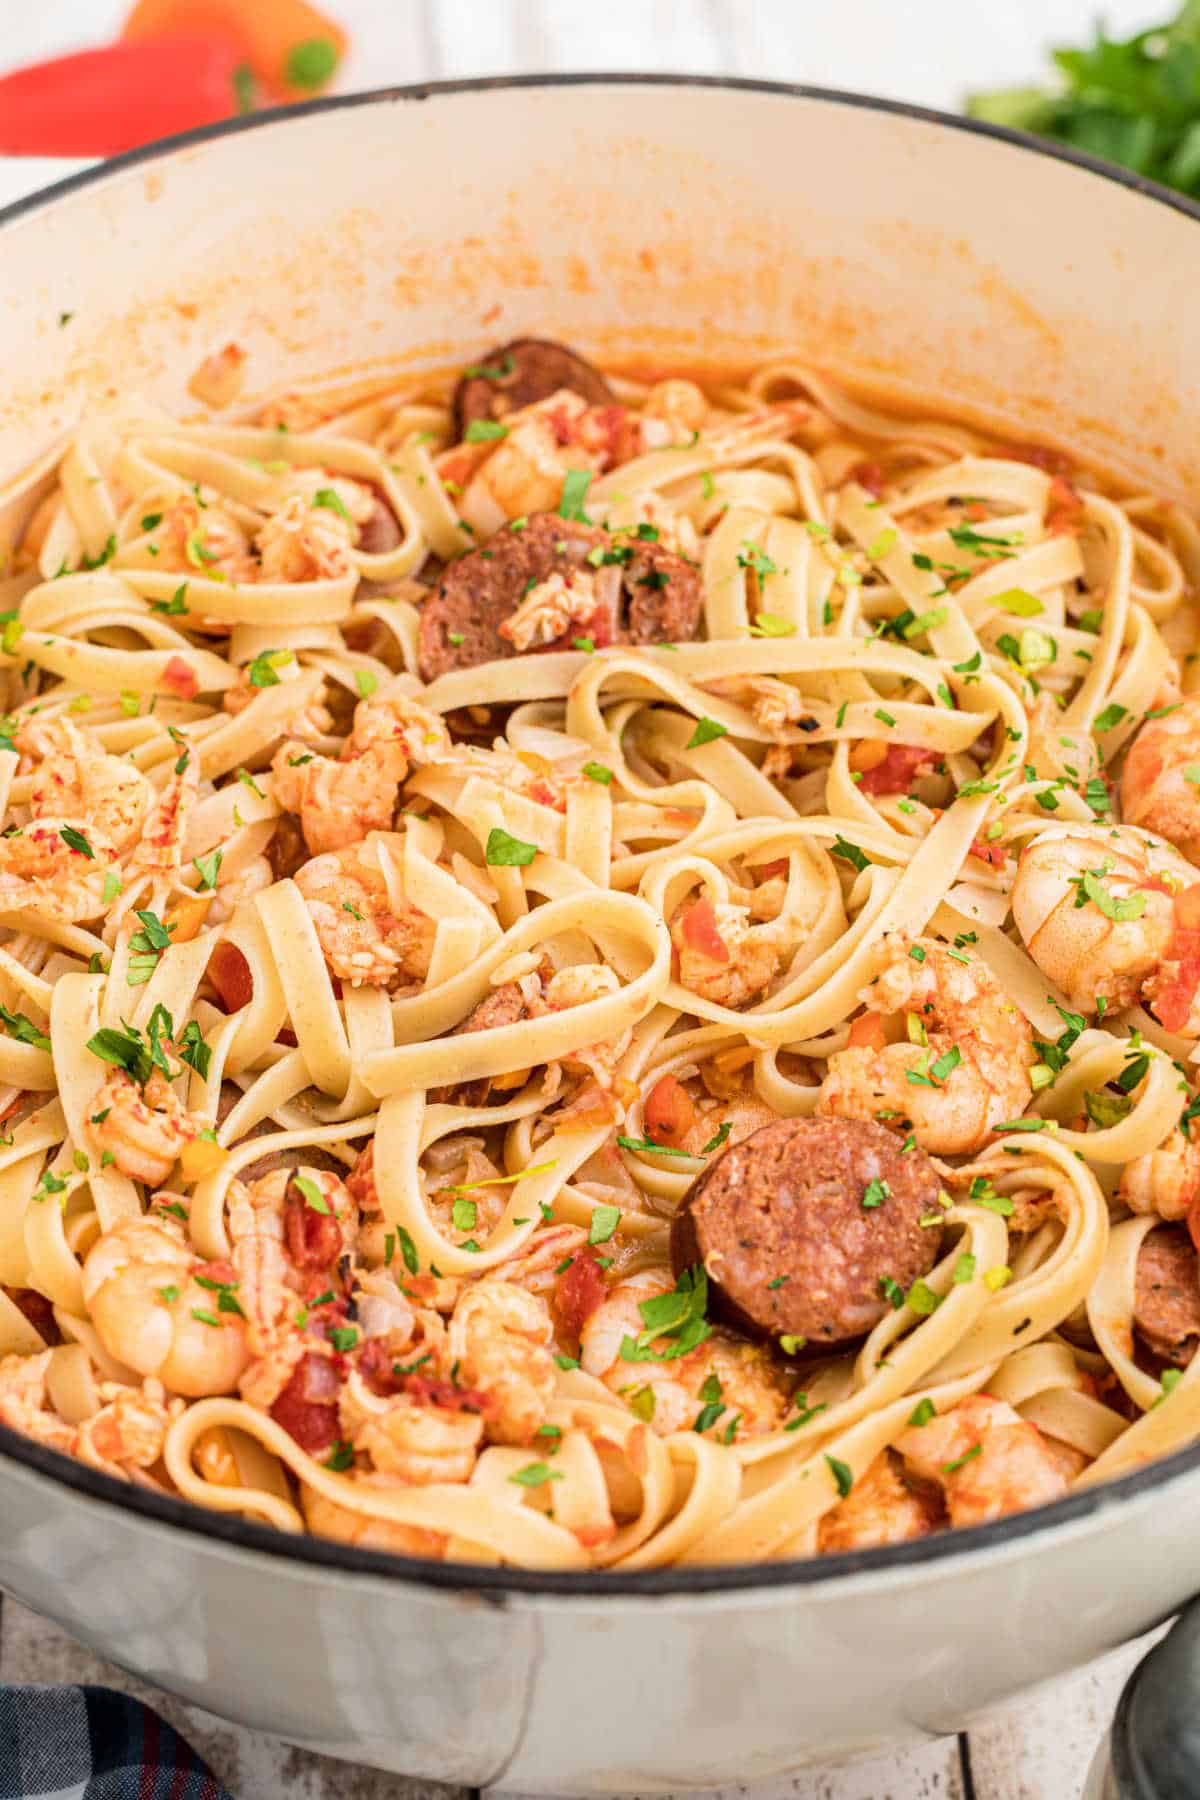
(639, 220)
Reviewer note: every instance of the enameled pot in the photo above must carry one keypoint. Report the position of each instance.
(684, 221)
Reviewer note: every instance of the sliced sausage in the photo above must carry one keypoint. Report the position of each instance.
(480, 590)
(809, 1227)
(521, 373)
(1166, 1308)
(504, 1006)
(665, 596)
(381, 530)
(645, 594)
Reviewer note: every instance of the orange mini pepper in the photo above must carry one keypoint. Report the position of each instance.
(290, 48)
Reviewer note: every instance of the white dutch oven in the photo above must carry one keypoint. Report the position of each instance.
(678, 220)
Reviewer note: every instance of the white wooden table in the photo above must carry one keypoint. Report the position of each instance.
(930, 51)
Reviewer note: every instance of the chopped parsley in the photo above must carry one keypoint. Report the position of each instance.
(604, 1222)
(507, 852)
(576, 483)
(707, 730)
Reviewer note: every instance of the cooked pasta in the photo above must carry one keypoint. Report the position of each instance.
(597, 972)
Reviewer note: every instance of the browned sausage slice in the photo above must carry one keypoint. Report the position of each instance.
(665, 596)
(809, 1226)
(460, 626)
(1166, 1308)
(381, 530)
(521, 373)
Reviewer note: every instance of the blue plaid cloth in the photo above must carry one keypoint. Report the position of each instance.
(90, 1743)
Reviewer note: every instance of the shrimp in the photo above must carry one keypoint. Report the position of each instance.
(986, 1458)
(366, 940)
(352, 502)
(201, 537)
(75, 779)
(879, 1509)
(431, 1434)
(672, 1117)
(679, 405)
(388, 721)
(53, 868)
(158, 855)
(144, 1129)
(1165, 1180)
(23, 1401)
(575, 986)
(145, 1292)
(727, 953)
(1095, 911)
(524, 471)
(773, 704)
(965, 1066)
(339, 802)
(327, 1519)
(501, 1338)
(1157, 789)
(549, 608)
(727, 1385)
(286, 1226)
(129, 1429)
(305, 542)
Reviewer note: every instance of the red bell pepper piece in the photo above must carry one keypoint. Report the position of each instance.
(100, 102)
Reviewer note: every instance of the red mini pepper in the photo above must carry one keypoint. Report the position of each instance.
(99, 102)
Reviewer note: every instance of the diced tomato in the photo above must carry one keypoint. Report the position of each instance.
(868, 475)
(994, 854)
(1187, 908)
(1065, 512)
(894, 774)
(377, 1365)
(427, 1390)
(767, 871)
(230, 974)
(578, 1292)
(700, 931)
(866, 1032)
(223, 1273)
(669, 1113)
(314, 1239)
(180, 677)
(307, 1407)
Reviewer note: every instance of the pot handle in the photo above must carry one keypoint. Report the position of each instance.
(1153, 1751)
